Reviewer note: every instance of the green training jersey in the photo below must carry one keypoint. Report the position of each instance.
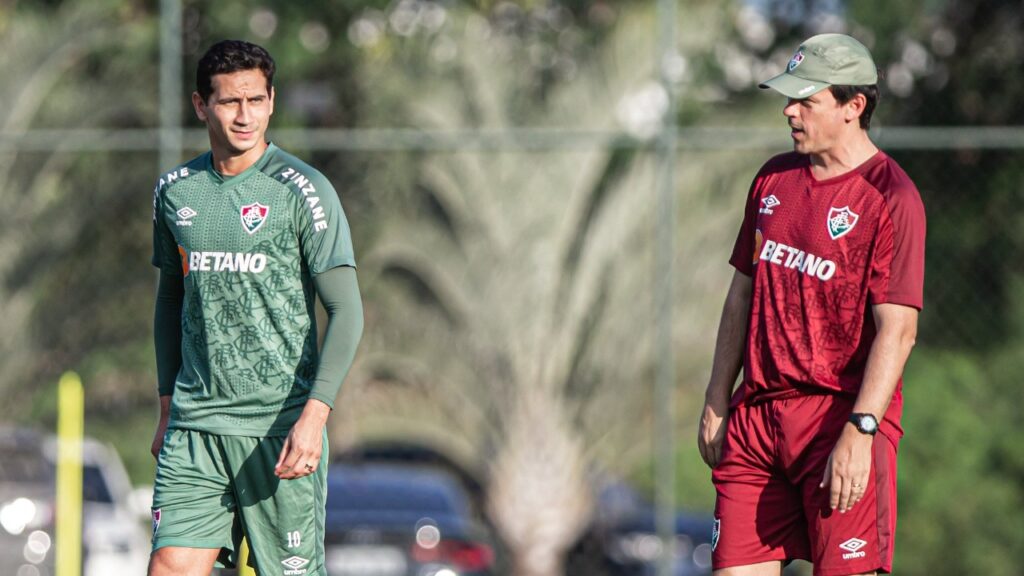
(247, 247)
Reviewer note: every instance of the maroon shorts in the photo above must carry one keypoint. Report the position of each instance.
(769, 504)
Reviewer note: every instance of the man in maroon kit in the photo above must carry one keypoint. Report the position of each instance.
(822, 315)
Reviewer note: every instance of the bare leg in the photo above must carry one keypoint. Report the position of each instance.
(178, 561)
(771, 568)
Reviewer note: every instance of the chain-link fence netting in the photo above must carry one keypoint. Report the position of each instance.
(500, 164)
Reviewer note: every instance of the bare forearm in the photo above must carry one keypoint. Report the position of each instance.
(315, 413)
(165, 406)
(729, 347)
(888, 355)
(161, 427)
(731, 340)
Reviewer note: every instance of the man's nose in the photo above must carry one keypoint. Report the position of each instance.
(244, 113)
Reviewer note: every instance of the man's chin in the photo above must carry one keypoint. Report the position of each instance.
(239, 147)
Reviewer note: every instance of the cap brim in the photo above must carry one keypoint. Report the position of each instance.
(793, 86)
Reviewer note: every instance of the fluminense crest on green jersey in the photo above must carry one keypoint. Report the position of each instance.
(253, 216)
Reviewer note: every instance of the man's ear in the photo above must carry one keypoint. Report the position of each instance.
(855, 107)
(199, 106)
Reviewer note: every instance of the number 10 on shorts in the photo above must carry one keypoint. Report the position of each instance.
(294, 539)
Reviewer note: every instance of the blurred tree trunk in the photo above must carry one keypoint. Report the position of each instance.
(514, 285)
(539, 496)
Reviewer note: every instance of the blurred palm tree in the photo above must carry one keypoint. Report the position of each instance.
(64, 67)
(510, 300)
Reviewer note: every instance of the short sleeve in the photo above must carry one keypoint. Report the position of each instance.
(324, 231)
(743, 250)
(165, 246)
(897, 268)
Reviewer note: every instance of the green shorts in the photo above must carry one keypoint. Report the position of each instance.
(212, 489)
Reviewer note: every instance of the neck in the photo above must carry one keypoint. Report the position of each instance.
(846, 154)
(231, 165)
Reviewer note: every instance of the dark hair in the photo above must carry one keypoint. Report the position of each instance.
(844, 94)
(229, 56)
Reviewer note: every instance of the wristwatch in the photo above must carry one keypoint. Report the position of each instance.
(865, 423)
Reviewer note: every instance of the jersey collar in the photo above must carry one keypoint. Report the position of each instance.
(232, 180)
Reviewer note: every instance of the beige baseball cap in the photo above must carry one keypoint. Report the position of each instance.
(822, 61)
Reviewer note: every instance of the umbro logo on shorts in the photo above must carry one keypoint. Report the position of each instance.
(295, 566)
(854, 546)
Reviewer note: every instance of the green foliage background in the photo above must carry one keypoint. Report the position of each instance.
(76, 287)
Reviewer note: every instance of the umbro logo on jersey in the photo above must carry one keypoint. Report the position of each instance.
(768, 203)
(253, 216)
(295, 566)
(185, 216)
(853, 546)
(841, 221)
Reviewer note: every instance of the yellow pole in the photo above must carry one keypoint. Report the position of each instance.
(243, 560)
(70, 427)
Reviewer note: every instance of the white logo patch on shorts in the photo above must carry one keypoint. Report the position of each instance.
(295, 566)
(716, 531)
(156, 519)
(853, 545)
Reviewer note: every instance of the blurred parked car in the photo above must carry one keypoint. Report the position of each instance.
(404, 452)
(623, 538)
(634, 548)
(114, 540)
(400, 520)
(26, 504)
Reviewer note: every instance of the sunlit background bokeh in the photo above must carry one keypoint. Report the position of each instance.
(543, 197)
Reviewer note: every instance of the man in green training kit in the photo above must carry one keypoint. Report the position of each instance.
(245, 237)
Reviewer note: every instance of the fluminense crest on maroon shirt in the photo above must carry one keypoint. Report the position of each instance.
(841, 221)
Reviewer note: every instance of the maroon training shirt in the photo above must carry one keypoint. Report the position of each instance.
(821, 253)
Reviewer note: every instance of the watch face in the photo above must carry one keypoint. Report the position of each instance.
(868, 424)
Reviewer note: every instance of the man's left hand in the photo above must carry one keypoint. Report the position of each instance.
(300, 455)
(848, 468)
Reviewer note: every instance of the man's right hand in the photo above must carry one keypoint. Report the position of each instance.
(711, 433)
(161, 427)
